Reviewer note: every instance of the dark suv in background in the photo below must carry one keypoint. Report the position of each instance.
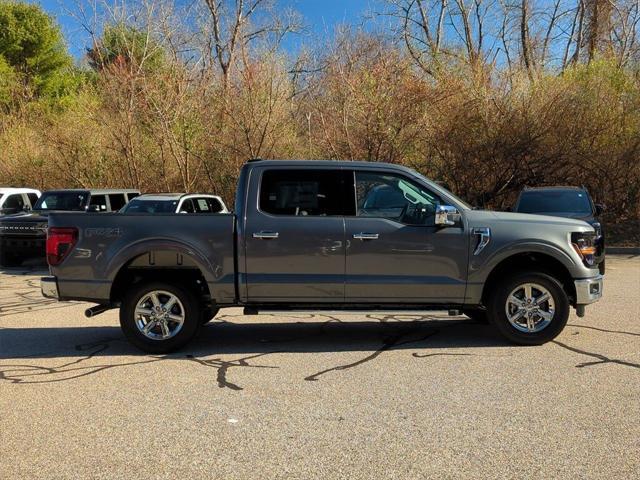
(23, 235)
(569, 202)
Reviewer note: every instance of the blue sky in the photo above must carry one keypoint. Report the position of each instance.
(321, 16)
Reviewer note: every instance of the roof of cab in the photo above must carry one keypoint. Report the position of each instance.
(9, 190)
(173, 196)
(555, 187)
(322, 163)
(96, 191)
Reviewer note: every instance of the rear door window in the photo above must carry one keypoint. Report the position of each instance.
(207, 205)
(304, 192)
(98, 203)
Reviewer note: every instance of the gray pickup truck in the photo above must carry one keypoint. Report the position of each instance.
(325, 235)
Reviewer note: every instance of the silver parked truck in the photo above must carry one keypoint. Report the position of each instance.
(325, 235)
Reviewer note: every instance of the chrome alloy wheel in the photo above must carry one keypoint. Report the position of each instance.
(530, 307)
(159, 315)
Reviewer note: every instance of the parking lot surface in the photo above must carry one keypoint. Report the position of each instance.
(319, 396)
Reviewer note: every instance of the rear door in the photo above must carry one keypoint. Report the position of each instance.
(395, 253)
(294, 235)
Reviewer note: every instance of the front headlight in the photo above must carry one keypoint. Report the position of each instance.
(584, 244)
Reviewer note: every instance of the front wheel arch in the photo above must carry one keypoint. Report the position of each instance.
(529, 262)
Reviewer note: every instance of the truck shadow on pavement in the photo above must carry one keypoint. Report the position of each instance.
(224, 345)
(76, 352)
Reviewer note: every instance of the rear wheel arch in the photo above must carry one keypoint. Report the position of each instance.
(191, 277)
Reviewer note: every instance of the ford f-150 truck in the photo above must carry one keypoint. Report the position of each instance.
(325, 235)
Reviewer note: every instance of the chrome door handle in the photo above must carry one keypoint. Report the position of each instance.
(266, 235)
(366, 236)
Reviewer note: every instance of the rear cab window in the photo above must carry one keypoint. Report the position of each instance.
(67, 201)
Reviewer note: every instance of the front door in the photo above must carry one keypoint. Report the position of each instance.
(294, 238)
(395, 253)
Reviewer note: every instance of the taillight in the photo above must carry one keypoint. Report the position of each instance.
(60, 241)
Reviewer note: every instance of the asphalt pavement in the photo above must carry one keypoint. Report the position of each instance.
(319, 396)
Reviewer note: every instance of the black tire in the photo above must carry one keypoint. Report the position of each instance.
(209, 314)
(477, 315)
(497, 305)
(190, 326)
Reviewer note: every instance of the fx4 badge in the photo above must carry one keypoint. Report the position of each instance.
(102, 232)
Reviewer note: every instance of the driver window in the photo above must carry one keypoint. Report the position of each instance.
(386, 195)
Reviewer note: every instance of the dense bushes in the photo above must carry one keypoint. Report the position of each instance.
(168, 121)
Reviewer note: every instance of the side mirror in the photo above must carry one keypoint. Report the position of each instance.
(446, 215)
(600, 208)
(94, 208)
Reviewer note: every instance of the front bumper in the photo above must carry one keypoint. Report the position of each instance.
(589, 290)
(49, 287)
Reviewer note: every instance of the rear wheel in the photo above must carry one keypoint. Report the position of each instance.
(159, 317)
(529, 309)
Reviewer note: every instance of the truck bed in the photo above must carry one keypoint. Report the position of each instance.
(108, 243)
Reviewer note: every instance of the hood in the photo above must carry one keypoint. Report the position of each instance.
(25, 217)
(480, 216)
(580, 216)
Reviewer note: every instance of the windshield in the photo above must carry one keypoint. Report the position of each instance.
(140, 205)
(69, 201)
(559, 201)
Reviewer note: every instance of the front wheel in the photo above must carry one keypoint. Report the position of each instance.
(530, 308)
(159, 317)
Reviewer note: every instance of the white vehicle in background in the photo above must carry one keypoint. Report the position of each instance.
(176, 203)
(16, 200)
